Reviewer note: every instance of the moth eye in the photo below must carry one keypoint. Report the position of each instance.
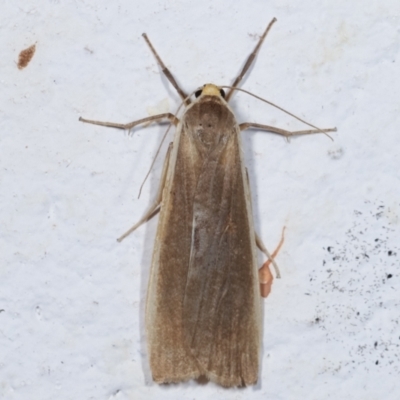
(198, 93)
(222, 92)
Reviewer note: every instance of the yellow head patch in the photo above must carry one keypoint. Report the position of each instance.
(211, 90)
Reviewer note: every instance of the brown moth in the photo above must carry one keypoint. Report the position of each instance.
(203, 310)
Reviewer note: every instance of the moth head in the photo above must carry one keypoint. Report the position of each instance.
(210, 90)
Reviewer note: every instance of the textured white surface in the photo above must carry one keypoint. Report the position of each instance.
(72, 298)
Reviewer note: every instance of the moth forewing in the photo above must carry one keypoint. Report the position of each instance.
(203, 307)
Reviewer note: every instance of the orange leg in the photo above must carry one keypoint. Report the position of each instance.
(264, 273)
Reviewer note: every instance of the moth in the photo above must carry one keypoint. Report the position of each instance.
(203, 309)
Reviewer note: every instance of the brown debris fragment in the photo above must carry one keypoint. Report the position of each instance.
(26, 56)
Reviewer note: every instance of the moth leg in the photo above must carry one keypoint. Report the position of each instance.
(155, 207)
(271, 257)
(167, 72)
(262, 247)
(249, 61)
(283, 132)
(130, 125)
(260, 244)
(264, 272)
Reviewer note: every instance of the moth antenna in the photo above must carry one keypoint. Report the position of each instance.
(167, 72)
(280, 108)
(249, 60)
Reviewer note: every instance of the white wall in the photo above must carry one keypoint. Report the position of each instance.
(72, 298)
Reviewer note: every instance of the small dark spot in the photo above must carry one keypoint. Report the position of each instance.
(376, 240)
(336, 153)
(375, 344)
(88, 50)
(388, 276)
(366, 255)
(222, 92)
(390, 253)
(358, 313)
(197, 93)
(202, 380)
(329, 248)
(323, 262)
(376, 362)
(317, 320)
